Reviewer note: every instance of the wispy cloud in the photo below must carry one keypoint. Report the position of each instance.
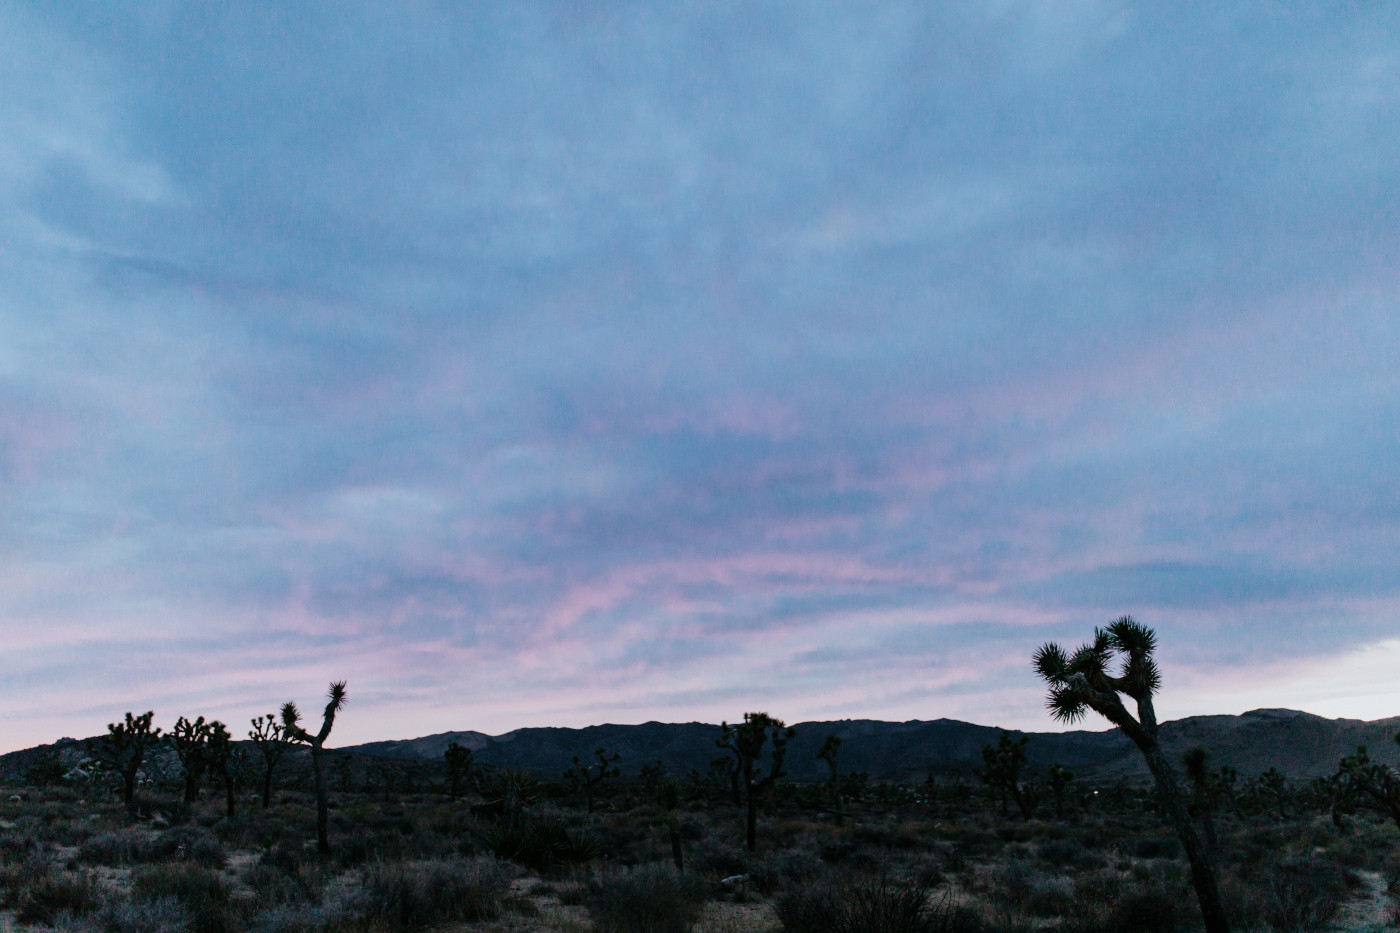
(542, 365)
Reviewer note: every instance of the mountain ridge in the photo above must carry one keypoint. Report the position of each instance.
(1300, 745)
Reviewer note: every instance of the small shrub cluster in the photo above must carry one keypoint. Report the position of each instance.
(645, 899)
(540, 843)
(198, 889)
(52, 894)
(407, 896)
(875, 904)
(1300, 894)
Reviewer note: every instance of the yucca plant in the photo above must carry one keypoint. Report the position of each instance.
(291, 728)
(1081, 682)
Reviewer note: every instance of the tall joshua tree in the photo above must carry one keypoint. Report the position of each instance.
(1082, 682)
(1060, 779)
(828, 753)
(460, 765)
(588, 776)
(191, 741)
(223, 758)
(1361, 782)
(1003, 770)
(291, 728)
(668, 795)
(124, 746)
(269, 739)
(746, 740)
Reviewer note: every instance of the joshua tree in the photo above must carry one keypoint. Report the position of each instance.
(669, 797)
(828, 753)
(123, 747)
(459, 767)
(1359, 781)
(1081, 682)
(1060, 779)
(589, 776)
(191, 741)
(291, 728)
(1003, 770)
(651, 775)
(746, 740)
(270, 740)
(223, 759)
(724, 772)
(1202, 791)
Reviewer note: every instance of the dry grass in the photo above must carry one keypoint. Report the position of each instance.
(82, 865)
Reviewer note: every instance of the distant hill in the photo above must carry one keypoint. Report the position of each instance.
(1300, 745)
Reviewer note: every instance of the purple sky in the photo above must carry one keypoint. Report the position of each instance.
(556, 364)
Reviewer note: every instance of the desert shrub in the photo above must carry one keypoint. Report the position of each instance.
(18, 846)
(339, 916)
(1293, 895)
(1157, 847)
(277, 881)
(717, 854)
(1027, 887)
(122, 847)
(774, 870)
(53, 893)
(977, 843)
(1069, 852)
(1148, 909)
(118, 915)
(646, 899)
(404, 896)
(540, 843)
(192, 843)
(197, 888)
(876, 904)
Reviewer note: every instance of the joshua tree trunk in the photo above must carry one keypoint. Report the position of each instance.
(293, 730)
(751, 816)
(323, 842)
(1202, 875)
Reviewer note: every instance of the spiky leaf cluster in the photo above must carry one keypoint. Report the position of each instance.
(1083, 681)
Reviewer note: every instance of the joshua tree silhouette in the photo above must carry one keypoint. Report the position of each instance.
(1082, 682)
(267, 735)
(830, 750)
(124, 746)
(587, 776)
(191, 740)
(1003, 770)
(746, 740)
(291, 728)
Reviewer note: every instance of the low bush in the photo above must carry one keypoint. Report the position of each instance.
(197, 888)
(123, 847)
(51, 894)
(115, 915)
(405, 896)
(646, 899)
(540, 843)
(875, 904)
(1292, 895)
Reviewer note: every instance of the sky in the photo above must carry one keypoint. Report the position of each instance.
(552, 364)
